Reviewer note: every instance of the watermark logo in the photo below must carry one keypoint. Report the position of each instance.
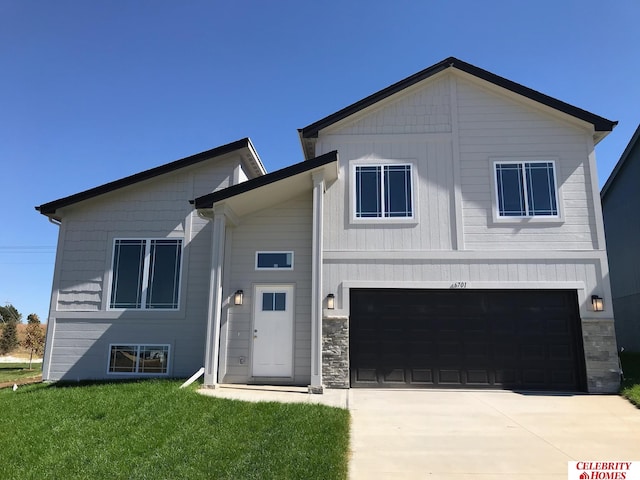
(604, 470)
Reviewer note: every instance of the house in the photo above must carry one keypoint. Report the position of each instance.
(620, 195)
(443, 232)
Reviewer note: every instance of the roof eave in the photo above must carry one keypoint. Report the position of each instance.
(49, 209)
(599, 123)
(207, 201)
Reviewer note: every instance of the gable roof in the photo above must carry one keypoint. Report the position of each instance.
(599, 123)
(49, 209)
(207, 201)
(623, 159)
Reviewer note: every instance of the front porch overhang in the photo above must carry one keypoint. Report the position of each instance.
(227, 208)
(273, 188)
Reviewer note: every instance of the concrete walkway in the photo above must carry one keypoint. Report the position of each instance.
(477, 435)
(269, 393)
(413, 434)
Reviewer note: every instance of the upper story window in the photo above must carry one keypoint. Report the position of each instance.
(383, 191)
(274, 260)
(146, 273)
(526, 189)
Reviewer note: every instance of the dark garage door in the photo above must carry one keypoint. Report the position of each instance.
(511, 339)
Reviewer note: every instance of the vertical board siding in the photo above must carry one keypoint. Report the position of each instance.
(488, 126)
(434, 270)
(423, 111)
(286, 227)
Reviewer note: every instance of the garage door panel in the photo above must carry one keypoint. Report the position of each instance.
(449, 376)
(478, 377)
(421, 376)
(393, 375)
(366, 375)
(457, 338)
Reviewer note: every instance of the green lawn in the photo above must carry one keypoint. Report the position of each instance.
(154, 430)
(14, 372)
(631, 383)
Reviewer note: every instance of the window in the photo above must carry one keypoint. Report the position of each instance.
(146, 274)
(274, 302)
(526, 189)
(274, 260)
(383, 191)
(139, 359)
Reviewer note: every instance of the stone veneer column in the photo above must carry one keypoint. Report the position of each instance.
(601, 355)
(335, 352)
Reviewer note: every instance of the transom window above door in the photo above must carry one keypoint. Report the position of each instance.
(526, 189)
(274, 260)
(383, 191)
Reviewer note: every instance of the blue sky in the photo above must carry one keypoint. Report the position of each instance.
(92, 91)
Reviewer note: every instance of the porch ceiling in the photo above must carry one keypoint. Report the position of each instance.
(265, 196)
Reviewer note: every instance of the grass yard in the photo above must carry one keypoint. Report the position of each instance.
(631, 383)
(16, 372)
(154, 430)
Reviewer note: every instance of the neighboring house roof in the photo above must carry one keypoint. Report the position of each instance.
(254, 164)
(285, 183)
(616, 170)
(600, 124)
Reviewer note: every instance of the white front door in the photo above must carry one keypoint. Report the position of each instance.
(273, 331)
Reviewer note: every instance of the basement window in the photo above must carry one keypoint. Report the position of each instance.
(138, 359)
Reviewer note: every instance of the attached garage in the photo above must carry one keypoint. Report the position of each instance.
(463, 338)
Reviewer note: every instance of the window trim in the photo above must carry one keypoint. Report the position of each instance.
(138, 346)
(548, 219)
(146, 266)
(285, 269)
(413, 219)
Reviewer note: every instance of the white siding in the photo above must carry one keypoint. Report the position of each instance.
(286, 227)
(425, 110)
(156, 208)
(455, 237)
(432, 197)
(493, 127)
(82, 346)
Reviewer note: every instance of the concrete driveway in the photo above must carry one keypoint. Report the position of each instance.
(413, 434)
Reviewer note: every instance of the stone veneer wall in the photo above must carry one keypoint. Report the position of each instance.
(601, 355)
(335, 352)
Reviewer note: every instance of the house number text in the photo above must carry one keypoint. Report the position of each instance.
(459, 285)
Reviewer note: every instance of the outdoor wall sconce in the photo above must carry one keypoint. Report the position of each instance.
(331, 301)
(237, 297)
(597, 303)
